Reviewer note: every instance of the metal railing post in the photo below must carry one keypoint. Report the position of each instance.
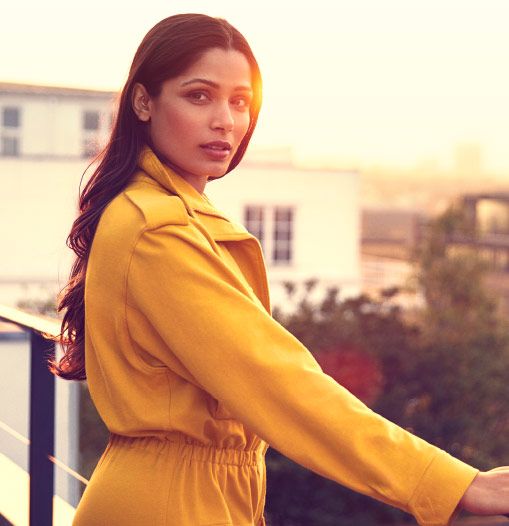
(42, 413)
(42, 431)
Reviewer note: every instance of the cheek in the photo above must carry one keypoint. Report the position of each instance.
(242, 126)
(175, 125)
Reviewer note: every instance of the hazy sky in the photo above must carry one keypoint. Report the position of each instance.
(360, 81)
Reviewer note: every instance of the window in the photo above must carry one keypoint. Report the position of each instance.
(10, 146)
(90, 148)
(91, 134)
(493, 216)
(277, 222)
(282, 235)
(10, 131)
(253, 220)
(10, 117)
(91, 120)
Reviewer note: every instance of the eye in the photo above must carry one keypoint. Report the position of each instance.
(198, 96)
(241, 102)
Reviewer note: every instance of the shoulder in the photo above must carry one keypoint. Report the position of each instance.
(145, 206)
(157, 207)
(137, 209)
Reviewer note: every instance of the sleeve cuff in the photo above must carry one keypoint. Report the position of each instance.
(443, 484)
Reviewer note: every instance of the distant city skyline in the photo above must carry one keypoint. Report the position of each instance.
(345, 83)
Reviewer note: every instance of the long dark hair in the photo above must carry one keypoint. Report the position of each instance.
(167, 50)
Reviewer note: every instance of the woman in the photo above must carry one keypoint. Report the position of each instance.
(168, 303)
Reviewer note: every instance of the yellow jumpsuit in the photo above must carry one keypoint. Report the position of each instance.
(194, 378)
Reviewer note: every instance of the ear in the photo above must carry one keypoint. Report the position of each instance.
(141, 102)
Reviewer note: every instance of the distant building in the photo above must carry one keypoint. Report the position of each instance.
(50, 123)
(47, 137)
(488, 217)
(391, 226)
(388, 238)
(488, 214)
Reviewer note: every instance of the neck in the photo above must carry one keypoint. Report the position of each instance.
(198, 182)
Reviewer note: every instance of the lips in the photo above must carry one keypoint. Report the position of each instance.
(217, 145)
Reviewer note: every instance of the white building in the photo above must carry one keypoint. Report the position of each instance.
(47, 136)
(48, 123)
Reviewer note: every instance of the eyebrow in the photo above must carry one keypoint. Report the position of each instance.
(214, 84)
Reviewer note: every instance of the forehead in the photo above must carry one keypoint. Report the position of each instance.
(228, 68)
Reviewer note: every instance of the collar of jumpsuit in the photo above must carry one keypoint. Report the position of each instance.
(236, 244)
(220, 227)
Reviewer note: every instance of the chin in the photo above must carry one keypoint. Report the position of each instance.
(217, 170)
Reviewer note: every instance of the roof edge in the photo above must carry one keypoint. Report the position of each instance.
(19, 88)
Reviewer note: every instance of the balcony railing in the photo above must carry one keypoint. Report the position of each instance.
(41, 439)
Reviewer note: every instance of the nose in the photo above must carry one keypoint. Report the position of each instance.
(223, 117)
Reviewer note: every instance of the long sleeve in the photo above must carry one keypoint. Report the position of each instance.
(214, 325)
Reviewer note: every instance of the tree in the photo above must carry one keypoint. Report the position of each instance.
(47, 307)
(459, 393)
(451, 275)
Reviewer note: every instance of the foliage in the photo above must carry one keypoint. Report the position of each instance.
(451, 276)
(46, 307)
(459, 391)
(441, 377)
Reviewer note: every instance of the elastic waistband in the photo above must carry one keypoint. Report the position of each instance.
(191, 449)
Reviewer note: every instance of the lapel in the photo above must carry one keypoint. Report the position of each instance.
(245, 248)
(220, 227)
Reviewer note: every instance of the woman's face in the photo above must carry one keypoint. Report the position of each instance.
(200, 117)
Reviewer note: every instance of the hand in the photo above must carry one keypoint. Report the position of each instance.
(488, 494)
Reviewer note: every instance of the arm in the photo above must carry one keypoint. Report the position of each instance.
(267, 379)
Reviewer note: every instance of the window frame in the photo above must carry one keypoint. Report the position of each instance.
(276, 234)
